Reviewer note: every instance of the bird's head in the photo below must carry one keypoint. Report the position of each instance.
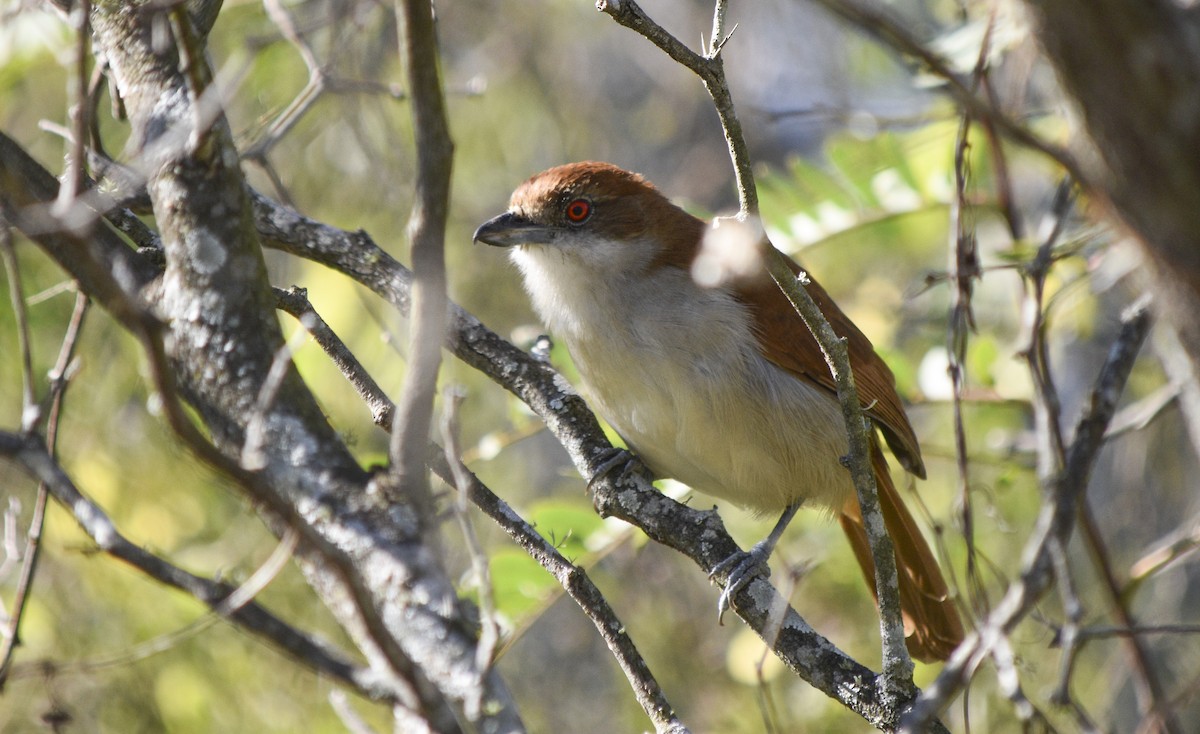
(595, 215)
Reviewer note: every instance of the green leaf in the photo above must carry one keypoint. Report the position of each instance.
(519, 584)
(567, 524)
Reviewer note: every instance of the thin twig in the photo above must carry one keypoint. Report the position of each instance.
(1183, 544)
(876, 22)
(963, 271)
(73, 177)
(254, 455)
(427, 238)
(585, 594)
(59, 379)
(295, 302)
(1155, 710)
(347, 715)
(1052, 456)
(897, 664)
(1005, 197)
(262, 576)
(1047, 409)
(1101, 633)
(489, 635)
(711, 70)
(93, 520)
(303, 101)
(573, 579)
(1068, 635)
(1054, 526)
(30, 411)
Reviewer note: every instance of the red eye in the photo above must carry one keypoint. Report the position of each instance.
(578, 211)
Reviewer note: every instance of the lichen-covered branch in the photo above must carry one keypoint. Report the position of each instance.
(214, 304)
(29, 452)
(897, 664)
(573, 579)
(698, 534)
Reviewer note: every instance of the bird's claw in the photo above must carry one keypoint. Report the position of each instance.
(619, 460)
(743, 567)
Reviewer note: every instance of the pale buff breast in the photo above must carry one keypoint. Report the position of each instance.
(687, 388)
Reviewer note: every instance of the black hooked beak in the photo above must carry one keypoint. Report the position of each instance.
(510, 230)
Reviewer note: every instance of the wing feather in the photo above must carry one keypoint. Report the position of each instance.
(787, 343)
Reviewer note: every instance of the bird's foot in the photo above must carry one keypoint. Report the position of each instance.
(617, 460)
(749, 565)
(743, 567)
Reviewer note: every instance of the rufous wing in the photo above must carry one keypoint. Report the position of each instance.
(932, 624)
(788, 344)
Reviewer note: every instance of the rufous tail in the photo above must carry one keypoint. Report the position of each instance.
(931, 623)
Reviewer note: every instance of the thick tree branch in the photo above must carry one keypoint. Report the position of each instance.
(316, 655)
(573, 578)
(149, 331)
(224, 335)
(699, 535)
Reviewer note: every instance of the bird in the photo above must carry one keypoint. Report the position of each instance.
(719, 385)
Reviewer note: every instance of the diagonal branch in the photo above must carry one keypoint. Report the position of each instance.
(699, 535)
(879, 24)
(1054, 527)
(316, 655)
(573, 578)
(897, 664)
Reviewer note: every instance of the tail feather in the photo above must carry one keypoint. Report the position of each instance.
(931, 623)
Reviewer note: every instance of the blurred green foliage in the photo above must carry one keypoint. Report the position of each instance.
(529, 85)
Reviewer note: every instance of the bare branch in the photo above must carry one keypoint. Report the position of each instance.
(30, 412)
(581, 589)
(446, 465)
(1055, 524)
(219, 597)
(427, 235)
(1184, 543)
(963, 271)
(1052, 455)
(59, 379)
(699, 535)
(489, 636)
(303, 101)
(891, 33)
(73, 178)
(295, 302)
(897, 664)
(711, 70)
(327, 484)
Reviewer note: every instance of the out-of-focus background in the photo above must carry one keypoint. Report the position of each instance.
(854, 155)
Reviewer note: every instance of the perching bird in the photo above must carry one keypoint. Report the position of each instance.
(720, 386)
